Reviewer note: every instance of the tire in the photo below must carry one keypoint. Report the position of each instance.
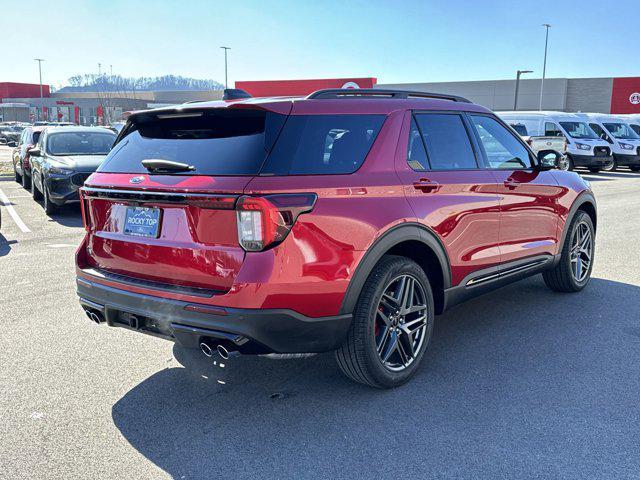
(35, 193)
(570, 165)
(49, 207)
(26, 181)
(612, 167)
(358, 357)
(16, 175)
(635, 169)
(562, 278)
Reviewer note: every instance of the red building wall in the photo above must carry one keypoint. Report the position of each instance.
(22, 90)
(283, 88)
(625, 97)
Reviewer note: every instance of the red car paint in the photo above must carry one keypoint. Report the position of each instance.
(482, 217)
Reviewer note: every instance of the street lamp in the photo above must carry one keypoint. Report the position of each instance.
(226, 84)
(515, 100)
(544, 65)
(40, 60)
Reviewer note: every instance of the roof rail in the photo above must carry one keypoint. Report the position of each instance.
(333, 93)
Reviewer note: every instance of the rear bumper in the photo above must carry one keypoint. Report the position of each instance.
(246, 330)
(627, 160)
(590, 161)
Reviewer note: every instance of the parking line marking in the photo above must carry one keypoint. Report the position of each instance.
(16, 218)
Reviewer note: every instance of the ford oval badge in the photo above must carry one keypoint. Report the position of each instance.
(137, 180)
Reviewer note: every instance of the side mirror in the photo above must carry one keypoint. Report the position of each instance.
(34, 152)
(12, 144)
(549, 159)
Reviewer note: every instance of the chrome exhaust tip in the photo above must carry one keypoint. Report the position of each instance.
(95, 317)
(206, 349)
(223, 352)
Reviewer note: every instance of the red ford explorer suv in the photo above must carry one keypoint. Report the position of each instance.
(341, 221)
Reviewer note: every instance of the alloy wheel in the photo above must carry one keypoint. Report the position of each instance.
(581, 252)
(401, 322)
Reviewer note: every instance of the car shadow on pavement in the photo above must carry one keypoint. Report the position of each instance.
(67, 216)
(5, 245)
(522, 382)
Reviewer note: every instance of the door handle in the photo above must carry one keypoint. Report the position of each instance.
(510, 184)
(425, 185)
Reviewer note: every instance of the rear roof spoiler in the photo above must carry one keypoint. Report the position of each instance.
(234, 94)
(336, 93)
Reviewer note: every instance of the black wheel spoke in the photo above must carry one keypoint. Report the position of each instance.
(391, 347)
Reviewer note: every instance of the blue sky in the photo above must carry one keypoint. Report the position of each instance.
(411, 41)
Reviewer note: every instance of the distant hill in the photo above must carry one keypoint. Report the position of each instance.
(116, 83)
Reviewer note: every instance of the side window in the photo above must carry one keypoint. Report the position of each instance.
(600, 132)
(636, 128)
(416, 154)
(501, 148)
(323, 144)
(552, 130)
(40, 144)
(447, 141)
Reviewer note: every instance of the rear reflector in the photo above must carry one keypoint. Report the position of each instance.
(205, 309)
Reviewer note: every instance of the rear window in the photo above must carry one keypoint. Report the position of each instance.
(215, 142)
(323, 144)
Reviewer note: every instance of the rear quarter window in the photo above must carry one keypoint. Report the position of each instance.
(323, 144)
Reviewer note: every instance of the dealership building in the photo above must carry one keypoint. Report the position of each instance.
(22, 102)
(621, 95)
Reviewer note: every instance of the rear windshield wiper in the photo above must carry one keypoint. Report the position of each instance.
(161, 166)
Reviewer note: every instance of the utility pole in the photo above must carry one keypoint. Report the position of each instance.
(99, 69)
(40, 60)
(544, 65)
(515, 99)
(226, 81)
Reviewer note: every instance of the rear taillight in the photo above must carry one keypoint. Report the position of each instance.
(265, 221)
(84, 210)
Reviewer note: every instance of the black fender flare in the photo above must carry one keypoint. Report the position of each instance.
(583, 198)
(394, 236)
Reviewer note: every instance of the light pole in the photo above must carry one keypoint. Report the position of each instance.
(544, 65)
(99, 69)
(226, 82)
(515, 99)
(40, 60)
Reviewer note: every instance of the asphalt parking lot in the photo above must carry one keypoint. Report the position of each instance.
(520, 383)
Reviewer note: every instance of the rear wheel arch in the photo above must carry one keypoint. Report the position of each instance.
(413, 241)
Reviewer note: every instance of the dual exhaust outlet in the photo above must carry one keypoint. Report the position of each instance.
(94, 315)
(208, 348)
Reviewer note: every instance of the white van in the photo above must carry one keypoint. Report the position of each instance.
(633, 119)
(584, 147)
(624, 141)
